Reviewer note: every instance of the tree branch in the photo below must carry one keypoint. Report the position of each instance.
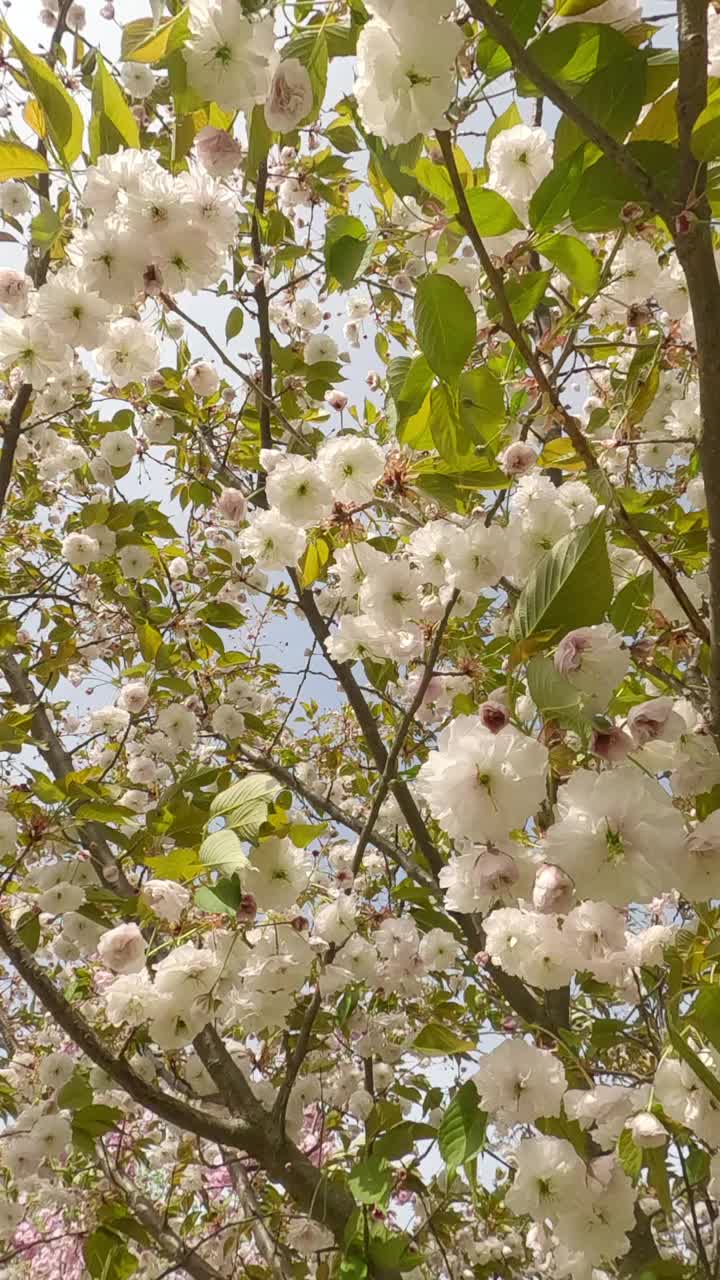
(174, 1248)
(167, 1108)
(570, 424)
(522, 60)
(60, 763)
(695, 250)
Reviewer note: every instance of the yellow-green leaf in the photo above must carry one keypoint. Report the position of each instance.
(113, 125)
(143, 41)
(64, 119)
(18, 161)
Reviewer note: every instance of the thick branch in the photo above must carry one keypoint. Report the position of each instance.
(388, 774)
(570, 424)
(61, 764)
(11, 436)
(324, 1200)
(694, 245)
(170, 1244)
(263, 309)
(167, 1108)
(277, 1257)
(522, 60)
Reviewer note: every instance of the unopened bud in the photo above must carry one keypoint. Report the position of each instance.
(647, 1131)
(613, 746)
(553, 890)
(493, 716)
(247, 909)
(495, 871)
(685, 222)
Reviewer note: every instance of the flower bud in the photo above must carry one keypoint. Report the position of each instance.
(290, 98)
(518, 459)
(15, 289)
(231, 504)
(495, 871)
(493, 716)
(247, 909)
(647, 1130)
(654, 719)
(336, 400)
(203, 379)
(553, 890)
(218, 152)
(613, 745)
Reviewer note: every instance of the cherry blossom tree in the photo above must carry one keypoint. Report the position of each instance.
(360, 641)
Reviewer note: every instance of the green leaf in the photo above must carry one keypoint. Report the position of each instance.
(112, 124)
(409, 382)
(102, 811)
(629, 608)
(524, 295)
(302, 834)
(28, 930)
(683, 1050)
(45, 227)
(482, 405)
(554, 697)
(655, 1160)
(575, 260)
(234, 323)
(436, 1040)
(317, 555)
(63, 116)
(353, 1267)
(106, 1257)
(149, 640)
(95, 1120)
(706, 131)
(180, 865)
(507, 120)
(223, 849)
(630, 1155)
(556, 597)
(220, 898)
(371, 1181)
(705, 1013)
(445, 325)
(18, 161)
(75, 1094)
(572, 54)
(462, 1128)
(401, 1138)
(435, 179)
(415, 430)
(552, 198)
(259, 142)
(446, 428)
(521, 16)
(144, 41)
(613, 98)
(599, 198)
(346, 244)
(245, 804)
(660, 124)
(491, 213)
